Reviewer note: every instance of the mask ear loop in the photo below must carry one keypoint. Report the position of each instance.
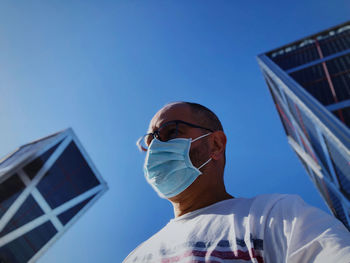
(204, 163)
(200, 137)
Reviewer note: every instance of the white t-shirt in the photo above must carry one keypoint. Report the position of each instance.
(267, 228)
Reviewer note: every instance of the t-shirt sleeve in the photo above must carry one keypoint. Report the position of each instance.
(296, 232)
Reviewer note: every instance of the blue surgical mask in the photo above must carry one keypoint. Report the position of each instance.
(168, 167)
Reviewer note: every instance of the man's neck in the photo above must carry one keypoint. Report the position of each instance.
(191, 203)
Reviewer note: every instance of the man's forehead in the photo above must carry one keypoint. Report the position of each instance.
(175, 111)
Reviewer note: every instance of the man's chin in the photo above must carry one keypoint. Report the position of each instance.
(187, 193)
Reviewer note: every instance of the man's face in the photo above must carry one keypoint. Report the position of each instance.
(199, 151)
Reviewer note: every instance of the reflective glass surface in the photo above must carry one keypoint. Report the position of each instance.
(339, 70)
(25, 151)
(341, 167)
(28, 211)
(306, 167)
(313, 80)
(297, 57)
(328, 82)
(67, 215)
(290, 129)
(337, 207)
(346, 115)
(274, 97)
(33, 167)
(285, 119)
(305, 51)
(335, 43)
(22, 249)
(68, 177)
(315, 142)
(10, 189)
(272, 85)
(295, 111)
(321, 186)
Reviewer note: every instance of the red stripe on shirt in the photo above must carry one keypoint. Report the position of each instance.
(238, 254)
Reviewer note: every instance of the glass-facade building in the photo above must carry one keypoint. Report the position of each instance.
(309, 81)
(45, 186)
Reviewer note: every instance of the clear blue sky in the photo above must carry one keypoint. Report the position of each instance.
(105, 67)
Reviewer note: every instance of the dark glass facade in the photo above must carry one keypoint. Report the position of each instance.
(67, 215)
(46, 186)
(309, 81)
(27, 212)
(10, 189)
(23, 248)
(68, 177)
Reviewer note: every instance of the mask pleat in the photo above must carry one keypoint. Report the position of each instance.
(168, 167)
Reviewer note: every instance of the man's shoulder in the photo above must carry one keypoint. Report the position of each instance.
(143, 249)
(269, 201)
(258, 202)
(244, 206)
(272, 199)
(273, 204)
(148, 246)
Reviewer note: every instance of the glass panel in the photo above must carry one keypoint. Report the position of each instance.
(345, 112)
(33, 167)
(28, 211)
(22, 249)
(290, 129)
(315, 142)
(274, 97)
(346, 115)
(336, 43)
(339, 70)
(10, 189)
(294, 109)
(321, 186)
(337, 208)
(305, 51)
(297, 57)
(341, 167)
(306, 167)
(27, 150)
(69, 177)
(272, 85)
(284, 116)
(313, 80)
(66, 216)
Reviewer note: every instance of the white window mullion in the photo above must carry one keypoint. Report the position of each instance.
(23, 196)
(326, 154)
(41, 201)
(54, 213)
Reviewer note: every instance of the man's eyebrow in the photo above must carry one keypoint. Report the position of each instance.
(152, 129)
(156, 127)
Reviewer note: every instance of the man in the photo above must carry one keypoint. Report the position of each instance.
(185, 164)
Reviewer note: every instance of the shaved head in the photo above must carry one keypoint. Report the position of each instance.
(203, 116)
(190, 112)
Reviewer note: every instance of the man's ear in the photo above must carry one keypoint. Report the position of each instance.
(218, 145)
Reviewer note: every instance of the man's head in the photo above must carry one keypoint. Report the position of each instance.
(211, 146)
